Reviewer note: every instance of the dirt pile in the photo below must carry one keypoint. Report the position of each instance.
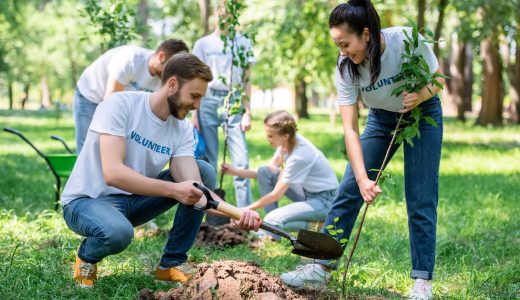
(227, 280)
(220, 236)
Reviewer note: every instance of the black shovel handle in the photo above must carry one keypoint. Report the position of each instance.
(273, 229)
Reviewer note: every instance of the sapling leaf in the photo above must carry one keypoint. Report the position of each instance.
(430, 121)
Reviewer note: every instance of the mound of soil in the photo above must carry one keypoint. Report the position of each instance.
(220, 236)
(227, 280)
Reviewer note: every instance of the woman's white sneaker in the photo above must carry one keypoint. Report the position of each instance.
(422, 290)
(306, 275)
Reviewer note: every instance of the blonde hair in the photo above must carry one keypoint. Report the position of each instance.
(283, 123)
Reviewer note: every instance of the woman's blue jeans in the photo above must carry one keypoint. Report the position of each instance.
(306, 207)
(108, 222)
(421, 174)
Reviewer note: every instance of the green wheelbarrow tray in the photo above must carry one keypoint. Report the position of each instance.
(60, 165)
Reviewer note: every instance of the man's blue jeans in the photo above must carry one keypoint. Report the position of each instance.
(108, 222)
(421, 168)
(210, 120)
(83, 112)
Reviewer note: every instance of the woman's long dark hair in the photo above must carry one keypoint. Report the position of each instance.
(356, 15)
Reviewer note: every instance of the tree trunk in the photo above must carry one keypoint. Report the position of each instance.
(440, 23)
(300, 98)
(420, 17)
(25, 94)
(331, 105)
(469, 77)
(457, 66)
(205, 11)
(143, 20)
(492, 93)
(46, 95)
(513, 72)
(10, 92)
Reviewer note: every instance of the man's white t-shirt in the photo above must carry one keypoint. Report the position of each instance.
(210, 48)
(150, 143)
(378, 95)
(127, 64)
(306, 166)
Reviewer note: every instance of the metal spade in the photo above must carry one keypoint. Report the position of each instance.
(307, 243)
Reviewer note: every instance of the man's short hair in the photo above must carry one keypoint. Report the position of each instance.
(171, 47)
(186, 66)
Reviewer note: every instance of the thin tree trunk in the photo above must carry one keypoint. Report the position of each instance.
(331, 101)
(205, 11)
(46, 95)
(457, 66)
(300, 98)
(421, 8)
(10, 92)
(492, 94)
(143, 20)
(440, 23)
(25, 94)
(513, 72)
(469, 77)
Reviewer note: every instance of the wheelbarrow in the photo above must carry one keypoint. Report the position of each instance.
(60, 165)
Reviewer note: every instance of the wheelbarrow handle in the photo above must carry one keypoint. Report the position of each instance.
(58, 138)
(18, 133)
(13, 131)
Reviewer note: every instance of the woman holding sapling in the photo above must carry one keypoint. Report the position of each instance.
(370, 64)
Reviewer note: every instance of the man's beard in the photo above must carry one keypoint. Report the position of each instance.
(174, 105)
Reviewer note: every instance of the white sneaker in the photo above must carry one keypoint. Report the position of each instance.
(306, 275)
(422, 290)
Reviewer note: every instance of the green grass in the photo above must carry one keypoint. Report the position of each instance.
(478, 252)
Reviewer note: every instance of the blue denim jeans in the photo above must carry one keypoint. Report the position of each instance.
(307, 207)
(108, 222)
(210, 120)
(421, 168)
(83, 112)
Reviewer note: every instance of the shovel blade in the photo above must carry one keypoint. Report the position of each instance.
(316, 245)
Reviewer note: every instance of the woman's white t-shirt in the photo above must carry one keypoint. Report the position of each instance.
(378, 95)
(307, 166)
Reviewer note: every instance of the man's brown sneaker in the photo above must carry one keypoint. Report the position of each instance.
(181, 273)
(85, 273)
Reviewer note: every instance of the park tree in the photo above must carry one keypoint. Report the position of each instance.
(11, 21)
(205, 12)
(512, 59)
(484, 22)
(294, 45)
(112, 21)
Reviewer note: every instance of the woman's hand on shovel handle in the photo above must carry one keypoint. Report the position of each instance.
(250, 220)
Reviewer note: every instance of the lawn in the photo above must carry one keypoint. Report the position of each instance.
(478, 248)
